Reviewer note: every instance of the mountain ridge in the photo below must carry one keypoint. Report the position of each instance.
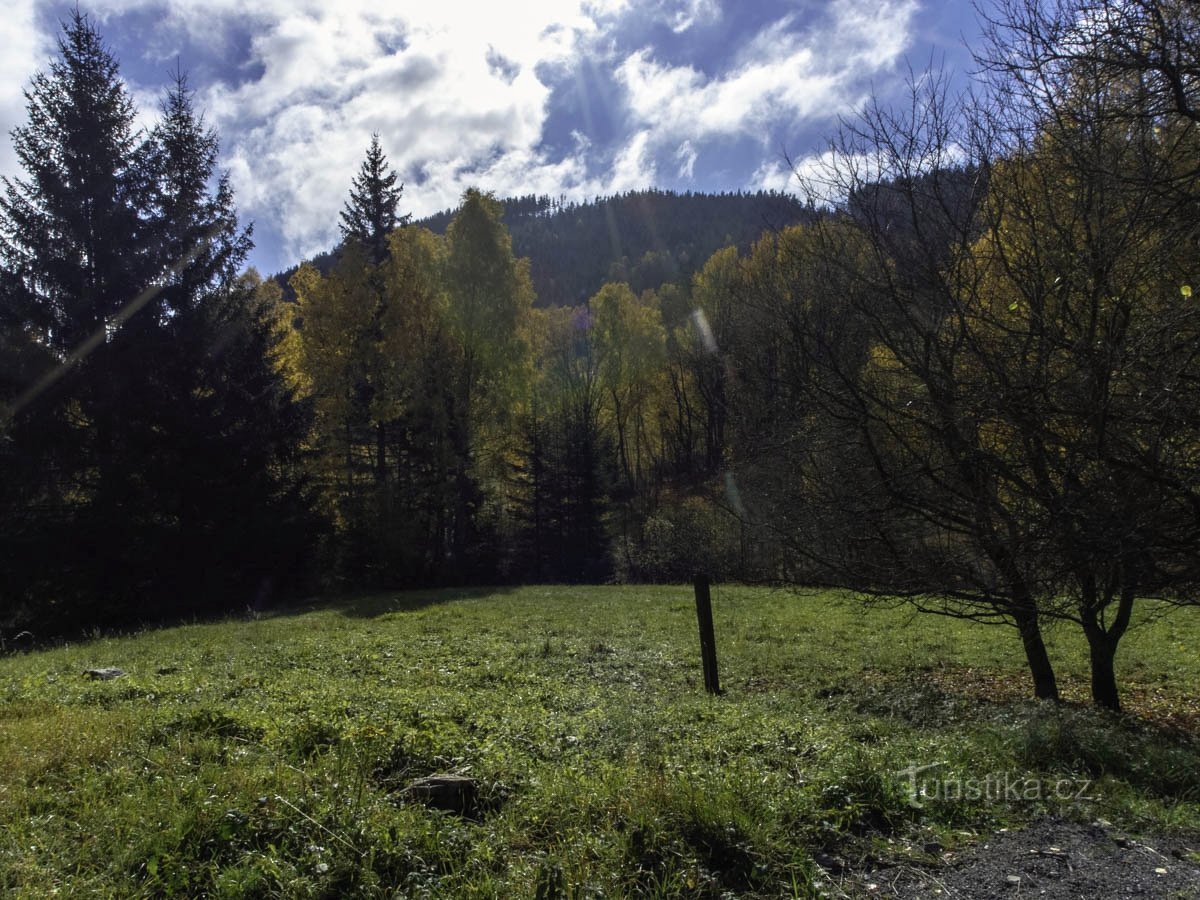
(644, 238)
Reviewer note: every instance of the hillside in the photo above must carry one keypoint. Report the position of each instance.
(644, 238)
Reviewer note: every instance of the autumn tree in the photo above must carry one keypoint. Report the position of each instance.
(339, 359)
(989, 346)
(350, 358)
(567, 467)
(863, 441)
(418, 362)
(629, 344)
(417, 366)
(490, 298)
(716, 290)
(1086, 293)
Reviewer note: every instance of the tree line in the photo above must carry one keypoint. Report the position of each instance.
(644, 238)
(461, 432)
(970, 384)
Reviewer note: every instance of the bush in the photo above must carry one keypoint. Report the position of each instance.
(681, 539)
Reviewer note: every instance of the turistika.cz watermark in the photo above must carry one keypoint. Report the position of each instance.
(995, 787)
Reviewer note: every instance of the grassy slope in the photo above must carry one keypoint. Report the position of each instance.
(262, 758)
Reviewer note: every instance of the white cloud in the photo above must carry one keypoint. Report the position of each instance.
(687, 155)
(25, 51)
(782, 75)
(824, 178)
(690, 12)
(773, 175)
(460, 93)
(633, 166)
(452, 88)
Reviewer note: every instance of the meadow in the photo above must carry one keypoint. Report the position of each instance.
(268, 756)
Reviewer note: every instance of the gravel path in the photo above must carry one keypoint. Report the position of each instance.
(1051, 859)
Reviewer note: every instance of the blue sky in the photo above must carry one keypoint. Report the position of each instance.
(562, 97)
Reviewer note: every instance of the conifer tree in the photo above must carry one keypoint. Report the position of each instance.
(197, 235)
(67, 230)
(369, 216)
(221, 427)
(148, 445)
(70, 242)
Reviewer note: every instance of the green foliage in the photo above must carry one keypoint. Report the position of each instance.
(643, 238)
(490, 297)
(418, 366)
(567, 466)
(681, 539)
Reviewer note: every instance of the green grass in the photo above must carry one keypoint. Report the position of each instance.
(265, 758)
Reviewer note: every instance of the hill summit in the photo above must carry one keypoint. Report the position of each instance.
(644, 238)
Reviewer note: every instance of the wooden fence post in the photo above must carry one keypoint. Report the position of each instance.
(708, 640)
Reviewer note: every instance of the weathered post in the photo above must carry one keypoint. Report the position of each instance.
(708, 640)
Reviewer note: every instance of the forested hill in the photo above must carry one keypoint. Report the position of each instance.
(644, 238)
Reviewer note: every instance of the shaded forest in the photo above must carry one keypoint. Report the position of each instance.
(642, 238)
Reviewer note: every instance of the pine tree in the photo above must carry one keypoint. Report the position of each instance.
(148, 444)
(370, 215)
(68, 230)
(196, 231)
(71, 245)
(220, 427)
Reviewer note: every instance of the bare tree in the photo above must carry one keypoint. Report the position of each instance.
(988, 355)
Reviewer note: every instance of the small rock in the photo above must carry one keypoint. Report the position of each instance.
(1160, 871)
(1013, 880)
(451, 793)
(831, 864)
(107, 674)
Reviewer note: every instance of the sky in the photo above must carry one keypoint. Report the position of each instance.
(574, 98)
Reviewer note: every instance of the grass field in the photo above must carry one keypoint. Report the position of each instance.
(267, 757)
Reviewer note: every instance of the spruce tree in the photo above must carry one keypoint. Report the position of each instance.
(148, 444)
(222, 429)
(196, 231)
(369, 216)
(68, 228)
(71, 245)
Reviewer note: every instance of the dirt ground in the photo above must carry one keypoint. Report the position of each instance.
(1051, 859)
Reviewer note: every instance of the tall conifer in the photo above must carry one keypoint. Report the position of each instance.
(369, 216)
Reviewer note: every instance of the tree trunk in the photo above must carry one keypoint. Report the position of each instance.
(1103, 651)
(1102, 648)
(381, 469)
(1045, 685)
